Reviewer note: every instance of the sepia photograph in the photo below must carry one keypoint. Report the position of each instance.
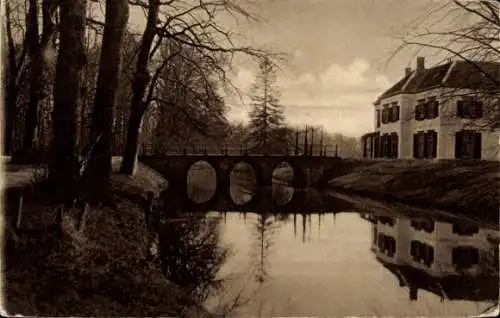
(250, 158)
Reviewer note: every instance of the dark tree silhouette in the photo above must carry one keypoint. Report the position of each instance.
(266, 116)
(117, 13)
(67, 99)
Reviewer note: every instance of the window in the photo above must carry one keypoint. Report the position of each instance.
(420, 110)
(385, 115)
(386, 244)
(394, 112)
(469, 107)
(468, 145)
(423, 225)
(387, 220)
(394, 145)
(422, 253)
(378, 118)
(465, 229)
(425, 144)
(464, 257)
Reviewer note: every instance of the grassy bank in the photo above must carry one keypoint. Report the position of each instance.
(102, 269)
(459, 186)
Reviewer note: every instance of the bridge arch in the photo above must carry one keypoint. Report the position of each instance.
(242, 182)
(201, 181)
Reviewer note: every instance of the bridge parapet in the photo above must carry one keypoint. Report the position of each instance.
(176, 167)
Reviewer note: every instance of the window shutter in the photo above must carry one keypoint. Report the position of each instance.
(427, 110)
(395, 142)
(458, 144)
(434, 144)
(435, 106)
(460, 108)
(478, 109)
(415, 148)
(477, 146)
(417, 112)
(426, 152)
(397, 113)
(382, 145)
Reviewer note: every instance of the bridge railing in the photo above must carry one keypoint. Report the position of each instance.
(201, 150)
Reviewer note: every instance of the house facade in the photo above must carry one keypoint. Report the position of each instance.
(436, 113)
(437, 255)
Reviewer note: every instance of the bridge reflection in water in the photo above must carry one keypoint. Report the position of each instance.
(453, 260)
(303, 201)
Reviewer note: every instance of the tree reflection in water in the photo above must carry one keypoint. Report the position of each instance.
(265, 228)
(190, 254)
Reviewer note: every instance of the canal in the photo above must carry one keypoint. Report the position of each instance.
(348, 262)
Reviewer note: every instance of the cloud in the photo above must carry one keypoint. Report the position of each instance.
(340, 98)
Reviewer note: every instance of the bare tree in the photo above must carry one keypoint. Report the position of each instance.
(37, 48)
(70, 61)
(467, 31)
(16, 57)
(191, 23)
(190, 109)
(117, 13)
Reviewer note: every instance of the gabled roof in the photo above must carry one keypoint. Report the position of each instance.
(484, 75)
(453, 287)
(458, 74)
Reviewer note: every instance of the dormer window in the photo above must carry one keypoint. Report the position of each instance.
(469, 107)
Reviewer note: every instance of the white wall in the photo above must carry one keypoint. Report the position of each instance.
(442, 239)
(446, 124)
(395, 126)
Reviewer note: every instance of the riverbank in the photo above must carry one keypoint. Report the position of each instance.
(464, 187)
(103, 268)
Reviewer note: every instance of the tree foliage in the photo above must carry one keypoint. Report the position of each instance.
(266, 116)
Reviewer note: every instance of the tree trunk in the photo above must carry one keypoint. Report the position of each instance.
(132, 145)
(140, 82)
(11, 91)
(117, 13)
(70, 61)
(31, 118)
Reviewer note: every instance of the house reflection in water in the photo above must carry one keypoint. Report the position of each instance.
(453, 261)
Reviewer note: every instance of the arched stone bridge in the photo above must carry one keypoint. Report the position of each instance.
(175, 168)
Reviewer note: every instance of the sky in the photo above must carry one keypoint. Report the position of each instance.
(338, 57)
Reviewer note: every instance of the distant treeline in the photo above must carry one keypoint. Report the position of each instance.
(182, 136)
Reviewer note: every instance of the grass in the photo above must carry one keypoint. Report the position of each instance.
(469, 187)
(103, 270)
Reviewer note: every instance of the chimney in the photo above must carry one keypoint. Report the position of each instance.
(420, 63)
(407, 71)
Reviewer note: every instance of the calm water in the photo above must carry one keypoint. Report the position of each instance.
(333, 264)
(337, 271)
